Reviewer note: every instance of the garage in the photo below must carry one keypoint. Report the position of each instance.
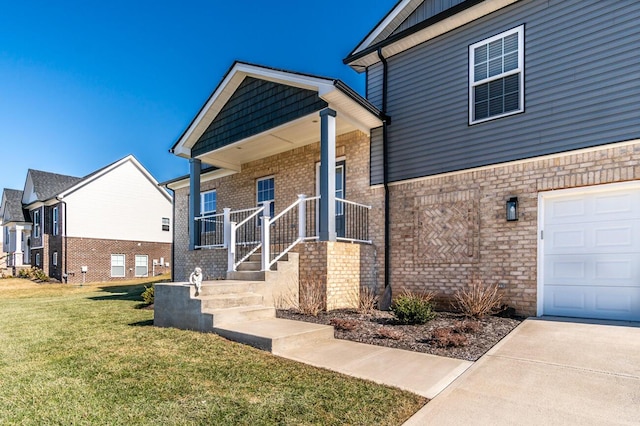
(589, 252)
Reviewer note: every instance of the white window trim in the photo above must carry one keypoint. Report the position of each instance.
(273, 202)
(37, 224)
(472, 84)
(135, 265)
(55, 219)
(202, 194)
(124, 267)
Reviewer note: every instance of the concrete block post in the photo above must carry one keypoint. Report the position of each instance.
(327, 217)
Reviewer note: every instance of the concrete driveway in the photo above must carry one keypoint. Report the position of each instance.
(548, 371)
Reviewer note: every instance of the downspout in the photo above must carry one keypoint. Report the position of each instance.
(173, 232)
(385, 302)
(64, 237)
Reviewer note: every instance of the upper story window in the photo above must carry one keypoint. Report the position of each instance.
(266, 191)
(36, 223)
(496, 76)
(165, 223)
(208, 202)
(55, 221)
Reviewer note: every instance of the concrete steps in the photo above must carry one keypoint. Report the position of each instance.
(276, 335)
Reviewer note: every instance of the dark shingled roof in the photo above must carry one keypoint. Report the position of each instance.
(13, 211)
(47, 185)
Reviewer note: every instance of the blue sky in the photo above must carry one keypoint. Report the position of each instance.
(85, 83)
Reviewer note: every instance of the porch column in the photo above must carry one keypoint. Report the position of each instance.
(19, 257)
(195, 167)
(327, 225)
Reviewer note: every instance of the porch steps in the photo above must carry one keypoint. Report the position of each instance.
(275, 335)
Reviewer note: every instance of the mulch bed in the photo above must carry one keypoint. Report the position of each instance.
(449, 334)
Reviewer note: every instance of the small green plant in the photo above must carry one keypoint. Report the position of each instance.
(148, 294)
(413, 308)
(478, 299)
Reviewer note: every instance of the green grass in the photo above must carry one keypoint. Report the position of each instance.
(87, 355)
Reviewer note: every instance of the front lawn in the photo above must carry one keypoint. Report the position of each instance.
(86, 355)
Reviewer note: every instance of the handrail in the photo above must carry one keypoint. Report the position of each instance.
(352, 203)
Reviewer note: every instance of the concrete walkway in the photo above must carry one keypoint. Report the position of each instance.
(548, 372)
(420, 373)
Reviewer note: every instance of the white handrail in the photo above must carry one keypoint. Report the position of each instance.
(353, 203)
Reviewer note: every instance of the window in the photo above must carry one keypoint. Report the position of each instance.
(36, 223)
(265, 191)
(208, 202)
(496, 76)
(117, 265)
(142, 265)
(165, 223)
(37, 259)
(54, 219)
(54, 258)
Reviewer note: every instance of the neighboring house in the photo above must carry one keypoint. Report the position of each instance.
(501, 137)
(112, 224)
(16, 228)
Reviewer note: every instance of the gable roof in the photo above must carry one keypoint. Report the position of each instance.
(12, 210)
(410, 23)
(42, 186)
(334, 92)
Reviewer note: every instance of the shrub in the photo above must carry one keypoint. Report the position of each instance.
(148, 295)
(311, 298)
(478, 300)
(343, 324)
(413, 308)
(33, 273)
(368, 300)
(447, 337)
(468, 326)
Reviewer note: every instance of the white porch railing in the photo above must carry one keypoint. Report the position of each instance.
(243, 232)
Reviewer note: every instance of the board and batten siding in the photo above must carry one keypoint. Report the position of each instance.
(120, 205)
(582, 62)
(428, 9)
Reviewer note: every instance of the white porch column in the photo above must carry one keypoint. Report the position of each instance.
(18, 257)
(195, 167)
(327, 225)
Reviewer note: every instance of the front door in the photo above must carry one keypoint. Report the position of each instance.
(341, 181)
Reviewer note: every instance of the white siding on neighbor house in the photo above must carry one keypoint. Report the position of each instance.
(123, 204)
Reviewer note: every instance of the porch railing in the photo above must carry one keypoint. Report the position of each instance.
(245, 232)
(352, 221)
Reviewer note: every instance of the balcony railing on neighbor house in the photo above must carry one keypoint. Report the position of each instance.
(244, 233)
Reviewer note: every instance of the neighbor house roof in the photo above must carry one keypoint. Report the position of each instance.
(13, 211)
(47, 185)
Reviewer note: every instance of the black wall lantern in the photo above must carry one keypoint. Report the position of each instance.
(512, 209)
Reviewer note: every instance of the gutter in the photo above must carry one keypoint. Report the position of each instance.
(385, 302)
(65, 275)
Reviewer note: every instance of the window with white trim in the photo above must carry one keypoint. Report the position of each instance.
(54, 220)
(166, 224)
(496, 76)
(54, 258)
(208, 202)
(117, 265)
(36, 223)
(266, 191)
(142, 265)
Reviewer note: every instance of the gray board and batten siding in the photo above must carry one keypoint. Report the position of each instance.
(256, 106)
(582, 89)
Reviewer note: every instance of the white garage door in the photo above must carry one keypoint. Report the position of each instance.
(591, 253)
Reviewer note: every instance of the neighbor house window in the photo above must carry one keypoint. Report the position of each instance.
(117, 265)
(54, 219)
(54, 258)
(142, 265)
(208, 202)
(165, 223)
(265, 191)
(36, 223)
(496, 76)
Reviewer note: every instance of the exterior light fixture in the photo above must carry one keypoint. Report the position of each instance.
(512, 209)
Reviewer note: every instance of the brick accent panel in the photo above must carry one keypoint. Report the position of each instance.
(294, 173)
(96, 255)
(449, 229)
